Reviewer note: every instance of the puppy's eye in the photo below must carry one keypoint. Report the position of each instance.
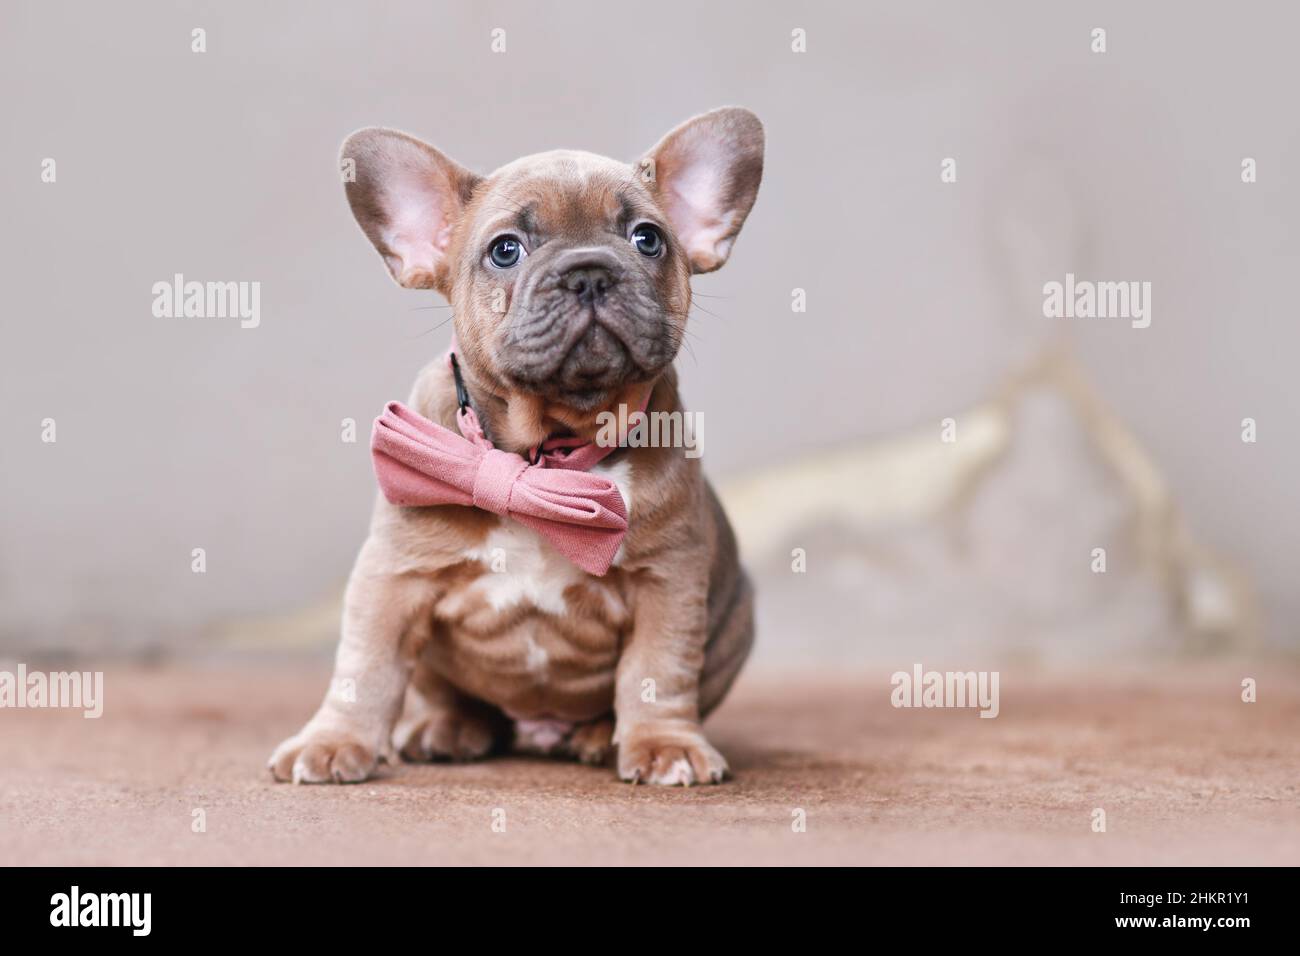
(648, 240)
(506, 251)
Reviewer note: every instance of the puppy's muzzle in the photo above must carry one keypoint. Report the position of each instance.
(586, 322)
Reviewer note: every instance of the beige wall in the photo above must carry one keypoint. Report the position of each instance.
(176, 433)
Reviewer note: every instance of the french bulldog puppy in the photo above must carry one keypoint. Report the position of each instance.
(465, 632)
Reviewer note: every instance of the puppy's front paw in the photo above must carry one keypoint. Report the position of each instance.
(317, 756)
(591, 742)
(669, 754)
(446, 736)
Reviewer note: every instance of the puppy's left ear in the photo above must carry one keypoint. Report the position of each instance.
(705, 175)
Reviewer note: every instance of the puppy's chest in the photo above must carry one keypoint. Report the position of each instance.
(526, 628)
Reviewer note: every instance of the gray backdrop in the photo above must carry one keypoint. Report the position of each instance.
(183, 433)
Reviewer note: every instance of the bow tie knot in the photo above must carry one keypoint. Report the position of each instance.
(494, 481)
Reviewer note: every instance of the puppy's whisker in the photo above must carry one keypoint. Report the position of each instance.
(434, 329)
(687, 343)
(678, 313)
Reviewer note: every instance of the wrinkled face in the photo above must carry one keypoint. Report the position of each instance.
(569, 276)
(568, 273)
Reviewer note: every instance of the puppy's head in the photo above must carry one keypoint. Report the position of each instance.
(568, 273)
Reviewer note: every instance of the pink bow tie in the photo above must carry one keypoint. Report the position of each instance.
(419, 462)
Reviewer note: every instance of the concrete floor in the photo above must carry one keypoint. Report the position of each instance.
(1186, 772)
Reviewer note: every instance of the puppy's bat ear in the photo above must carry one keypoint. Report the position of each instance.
(705, 175)
(406, 197)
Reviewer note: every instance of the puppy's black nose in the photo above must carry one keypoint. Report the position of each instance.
(588, 281)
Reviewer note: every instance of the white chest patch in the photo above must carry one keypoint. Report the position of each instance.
(523, 567)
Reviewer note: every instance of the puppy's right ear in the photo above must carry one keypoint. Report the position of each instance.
(406, 197)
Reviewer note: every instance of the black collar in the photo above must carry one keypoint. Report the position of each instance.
(463, 403)
(462, 393)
